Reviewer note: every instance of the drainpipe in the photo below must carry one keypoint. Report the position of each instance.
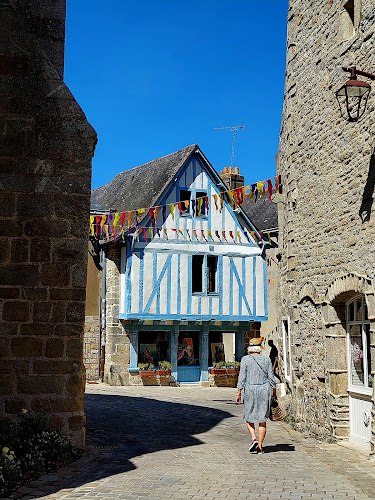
(102, 315)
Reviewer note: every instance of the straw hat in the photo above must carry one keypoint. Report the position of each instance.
(256, 342)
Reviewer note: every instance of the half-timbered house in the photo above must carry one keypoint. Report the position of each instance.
(184, 276)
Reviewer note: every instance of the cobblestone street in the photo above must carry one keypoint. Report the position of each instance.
(191, 443)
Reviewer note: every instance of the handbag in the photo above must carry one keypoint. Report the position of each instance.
(277, 413)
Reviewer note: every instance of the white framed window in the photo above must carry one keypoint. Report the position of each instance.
(193, 203)
(204, 274)
(286, 348)
(359, 353)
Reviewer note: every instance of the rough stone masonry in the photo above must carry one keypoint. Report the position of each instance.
(46, 147)
(327, 223)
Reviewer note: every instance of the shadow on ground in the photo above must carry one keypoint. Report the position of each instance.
(120, 428)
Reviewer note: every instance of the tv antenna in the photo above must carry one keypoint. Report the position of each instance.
(234, 130)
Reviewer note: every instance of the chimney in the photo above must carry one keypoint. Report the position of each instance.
(232, 179)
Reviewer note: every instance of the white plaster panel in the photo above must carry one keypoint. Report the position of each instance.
(161, 260)
(148, 281)
(236, 295)
(205, 305)
(215, 306)
(226, 286)
(174, 282)
(194, 304)
(184, 282)
(249, 282)
(260, 287)
(134, 274)
(122, 280)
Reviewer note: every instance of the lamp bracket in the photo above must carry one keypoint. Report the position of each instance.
(354, 72)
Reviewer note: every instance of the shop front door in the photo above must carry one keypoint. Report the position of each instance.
(188, 367)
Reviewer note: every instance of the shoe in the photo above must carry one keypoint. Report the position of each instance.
(259, 451)
(254, 445)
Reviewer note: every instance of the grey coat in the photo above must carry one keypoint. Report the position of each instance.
(257, 380)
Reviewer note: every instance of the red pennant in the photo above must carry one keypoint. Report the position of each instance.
(179, 207)
(97, 224)
(144, 233)
(151, 215)
(269, 184)
(239, 195)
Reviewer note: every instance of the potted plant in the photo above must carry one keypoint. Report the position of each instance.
(164, 368)
(218, 368)
(232, 367)
(146, 369)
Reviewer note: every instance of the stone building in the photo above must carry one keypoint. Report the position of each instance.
(46, 147)
(326, 307)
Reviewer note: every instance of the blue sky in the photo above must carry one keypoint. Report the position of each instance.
(154, 76)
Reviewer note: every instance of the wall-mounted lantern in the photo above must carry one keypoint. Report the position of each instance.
(353, 95)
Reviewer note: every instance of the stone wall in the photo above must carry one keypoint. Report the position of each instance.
(117, 341)
(91, 347)
(46, 146)
(327, 227)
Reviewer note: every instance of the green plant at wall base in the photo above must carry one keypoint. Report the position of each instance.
(30, 447)
(219, 364)
(146, 367)
(232, 364)
(165, 366)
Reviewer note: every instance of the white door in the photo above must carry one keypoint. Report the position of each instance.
(360, 378)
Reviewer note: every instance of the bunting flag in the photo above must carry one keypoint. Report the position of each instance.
(156, 212)
(277, 183)
(269, 238)
(166, 233)
(210, 234)
(232, 236)
(130, 217)
(175, 231)
(269, 185)
(106, 231)
(187, 232)
(151, 231)
(151, 215)
(221, 201)
(223, 233)
(215, 196)
(195, 233)
(205, 239)
(182, 234)
(171, 206)
(252, 235)
(239, 236)
(92, 227)
(137, 233)
(217, 234)
(199, 206)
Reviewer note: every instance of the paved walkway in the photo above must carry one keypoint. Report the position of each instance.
(191, 443)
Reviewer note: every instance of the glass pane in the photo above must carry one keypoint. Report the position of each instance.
(359, 310)
(370, 377)
(351, 312)
(188, 349)
(356, 350)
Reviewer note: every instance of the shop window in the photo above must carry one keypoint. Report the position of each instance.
(358, 326)
(204, 274)
(286, 348)
(221, 347)
(153, 347)
(188, 349)
(185, 197)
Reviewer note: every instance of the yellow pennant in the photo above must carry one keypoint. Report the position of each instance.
(231, 196)
(172, 210)
(239, 236)
(210, 234)
(261, 189)
(180, 231)
(221, 201)
(92, 229)
(151, 231)
(199, 206)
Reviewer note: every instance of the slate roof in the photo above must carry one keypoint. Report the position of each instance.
(140, 187)
(263, 213)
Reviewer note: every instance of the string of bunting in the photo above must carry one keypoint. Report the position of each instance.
(101, 226)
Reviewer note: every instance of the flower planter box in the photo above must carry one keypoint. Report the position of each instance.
(147, 373)
(226, 377)
(232, 371)
(163, 373)
(218, 371)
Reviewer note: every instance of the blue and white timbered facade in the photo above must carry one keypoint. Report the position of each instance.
(203, 271)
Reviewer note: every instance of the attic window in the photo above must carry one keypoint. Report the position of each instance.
(185, 196)
(200, 207)
(204, 274)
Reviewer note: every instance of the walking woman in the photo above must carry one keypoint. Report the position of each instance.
(257, 380)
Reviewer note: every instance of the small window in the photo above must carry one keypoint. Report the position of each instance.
(197, 272)
(204, 274)
(200, 205)
(211, 274)
(358, 326)
(286, 349)
(185, 196)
